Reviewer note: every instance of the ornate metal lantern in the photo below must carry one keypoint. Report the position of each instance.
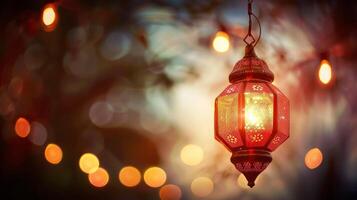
(251, 114)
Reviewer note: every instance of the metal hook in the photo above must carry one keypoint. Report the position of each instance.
(253, 42)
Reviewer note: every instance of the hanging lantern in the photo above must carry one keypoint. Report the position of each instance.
(251, 115)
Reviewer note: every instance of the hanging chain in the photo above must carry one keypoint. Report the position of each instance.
(249, 35)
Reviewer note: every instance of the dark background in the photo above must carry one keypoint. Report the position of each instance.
(60, 100)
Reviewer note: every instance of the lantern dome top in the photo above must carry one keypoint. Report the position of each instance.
(251, 67)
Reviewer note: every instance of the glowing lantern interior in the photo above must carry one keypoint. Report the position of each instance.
(258, 118)
(252, 114)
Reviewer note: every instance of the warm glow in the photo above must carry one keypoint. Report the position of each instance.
(53, 154)
(221, 42)
(191, 154)
(325, 72)
(202, 186)
(49, 15)
(99, 178)
(129, 176)
(22, 127)
(242, 182)
(155, 177)
(258, 111)
(313, 158)
(170, 192)
(88, 163)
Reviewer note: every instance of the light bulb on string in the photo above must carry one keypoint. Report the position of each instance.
(221, 42)
(49, 17)
(325, 72)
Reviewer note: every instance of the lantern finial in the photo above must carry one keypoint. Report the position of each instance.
(251, 67)
(251, 163)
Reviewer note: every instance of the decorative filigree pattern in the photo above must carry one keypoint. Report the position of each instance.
(254, 128)
(232, 139)
(251, 65)
(257, 87)
(230, 90)
(256, 166)
(276, 140)
(258, 137)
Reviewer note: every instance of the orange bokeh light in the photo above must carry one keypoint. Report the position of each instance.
(88, 163)
(202, 186)
(170, 192)
(49, 17)
(155, 177)
(325, 72)
(129, 176)
(313, 158)
(99, 178)
(53, 154)
(22, 127)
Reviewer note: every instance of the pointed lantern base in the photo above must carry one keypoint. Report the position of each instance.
(251, 163)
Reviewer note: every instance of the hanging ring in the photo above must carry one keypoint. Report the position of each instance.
(253, 42)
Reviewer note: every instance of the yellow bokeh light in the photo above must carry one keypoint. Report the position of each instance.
(99, 178)
(53, 154)
(325, 72)
(191, 155)
(155, 177)
(22, 127)
(202, 186)
(49, 15)
(170, 192)
(220, 42)
(313, 158)
(242, 181)
(88, 163)
(129, 176)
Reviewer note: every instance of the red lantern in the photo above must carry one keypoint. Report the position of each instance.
(251, 116)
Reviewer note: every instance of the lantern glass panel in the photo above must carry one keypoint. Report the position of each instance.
(258, 118)
(227, 120)
(283, 120)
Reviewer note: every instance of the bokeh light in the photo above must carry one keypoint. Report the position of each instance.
(101, 113)
(99, 178)
(88, 163)
(191, 155)
(38, 134)
(115, 46)
(325, 72)
(22, 127)
(202, 186)
(7, 106)
(49, 17)
(313, 158)
(242, 181)
(220, 42)
(129, 176)
(16, 86)
(155, 177)
(170, 192)
(35, 56)
(53, 154)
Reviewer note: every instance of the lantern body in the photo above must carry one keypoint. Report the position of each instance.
(251, 117)
(252, 114)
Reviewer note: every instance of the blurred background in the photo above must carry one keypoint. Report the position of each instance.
(114, 99)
